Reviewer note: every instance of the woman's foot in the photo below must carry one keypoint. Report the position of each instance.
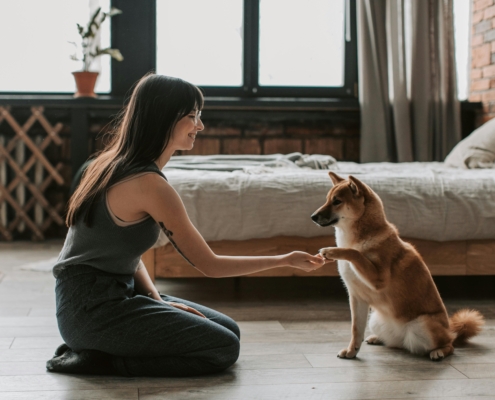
(61, 349)
(85, 362)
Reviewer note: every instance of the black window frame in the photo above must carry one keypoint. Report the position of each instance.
(134, 32)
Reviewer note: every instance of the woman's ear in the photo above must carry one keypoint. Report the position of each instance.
(335, 178)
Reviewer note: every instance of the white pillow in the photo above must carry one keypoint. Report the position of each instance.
(475, 151)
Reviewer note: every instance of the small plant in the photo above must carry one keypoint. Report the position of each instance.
(89, 50)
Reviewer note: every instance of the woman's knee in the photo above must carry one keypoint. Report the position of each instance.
(231, 325)
(227, 355)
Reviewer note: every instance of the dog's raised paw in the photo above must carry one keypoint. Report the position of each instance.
(347, 353)
(328, 253)
(437, 355)
(374, 340)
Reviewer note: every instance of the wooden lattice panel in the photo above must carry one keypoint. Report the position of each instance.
(26, 173)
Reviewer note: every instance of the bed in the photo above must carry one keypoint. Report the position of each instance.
(261, 205)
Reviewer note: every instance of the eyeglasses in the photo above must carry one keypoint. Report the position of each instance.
(196, 116)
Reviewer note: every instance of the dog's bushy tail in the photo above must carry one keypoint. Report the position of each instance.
(466, 324)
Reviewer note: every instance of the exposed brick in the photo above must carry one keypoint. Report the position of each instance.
(481, 4)
(475, 73)
(309, 128)
(477, 17)
(284, 146)
(305, 129)
(492, 83)
(489, 36)
(329, 146)
(352, 149)
(477, 40)
(241, 146)
(482, 26)
(493, 44)
(475, 97)
(489, 12)
(221, 130)
(204, 146)
(493, 23)
(487, 96)
(482, 55)
(479, 85)
(489, 71)
(263, 129)
(493, 58)
(486, 118)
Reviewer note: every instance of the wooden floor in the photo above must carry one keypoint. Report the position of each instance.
(291, 331)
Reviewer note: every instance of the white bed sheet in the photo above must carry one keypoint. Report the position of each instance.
(424, 200)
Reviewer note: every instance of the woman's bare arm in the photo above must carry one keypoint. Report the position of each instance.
(143, 283)
(160, 200)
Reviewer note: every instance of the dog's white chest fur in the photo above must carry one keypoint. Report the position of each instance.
(347, 271)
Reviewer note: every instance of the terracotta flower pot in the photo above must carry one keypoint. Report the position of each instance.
(85, 83)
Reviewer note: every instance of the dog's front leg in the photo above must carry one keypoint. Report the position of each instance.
(369, 273)
(359, 314)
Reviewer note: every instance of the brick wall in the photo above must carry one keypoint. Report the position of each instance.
(336, 134)
(483, 56)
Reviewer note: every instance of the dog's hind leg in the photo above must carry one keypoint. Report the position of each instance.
(440, 353)
(359, 313)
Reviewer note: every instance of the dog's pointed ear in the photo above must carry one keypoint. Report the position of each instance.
(335, 178)
(357, 187)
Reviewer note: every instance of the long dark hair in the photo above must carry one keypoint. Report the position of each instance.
(143, 130)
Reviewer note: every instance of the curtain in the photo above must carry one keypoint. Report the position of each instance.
(407, 80)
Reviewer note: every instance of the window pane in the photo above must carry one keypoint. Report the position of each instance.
(200, 41)
(301, 43)
(35, 50)
(462, 28)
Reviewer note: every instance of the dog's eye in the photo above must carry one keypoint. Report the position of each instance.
(336, 202)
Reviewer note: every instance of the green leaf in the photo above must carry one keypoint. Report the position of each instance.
(114, 53)
(113, 11)
(80, 29)
(89, 32)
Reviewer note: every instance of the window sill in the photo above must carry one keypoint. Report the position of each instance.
(211, 103)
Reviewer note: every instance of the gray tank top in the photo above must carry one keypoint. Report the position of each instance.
(106, 245)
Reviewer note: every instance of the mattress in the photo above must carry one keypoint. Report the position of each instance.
(423, 200)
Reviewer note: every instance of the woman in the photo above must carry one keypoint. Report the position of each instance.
(109, 313)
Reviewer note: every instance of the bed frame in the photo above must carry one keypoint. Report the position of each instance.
(465, 257)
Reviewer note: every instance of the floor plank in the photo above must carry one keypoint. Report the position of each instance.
(109, 394)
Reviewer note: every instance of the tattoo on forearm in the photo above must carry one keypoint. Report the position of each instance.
(169, 234)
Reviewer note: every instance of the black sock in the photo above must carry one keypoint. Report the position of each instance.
(85, 362)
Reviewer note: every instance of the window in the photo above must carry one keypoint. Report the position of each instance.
(35, 46)
(462, 28)
(203, 46)
(301, 43)
(246, 48)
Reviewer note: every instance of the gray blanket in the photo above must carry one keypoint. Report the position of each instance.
(251, 163)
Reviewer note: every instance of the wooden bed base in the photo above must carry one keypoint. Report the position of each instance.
(465, 257)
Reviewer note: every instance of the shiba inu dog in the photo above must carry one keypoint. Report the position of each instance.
(387, 274)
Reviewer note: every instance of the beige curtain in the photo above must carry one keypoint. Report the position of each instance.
(407, 80)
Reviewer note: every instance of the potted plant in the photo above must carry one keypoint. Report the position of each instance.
(89, 50)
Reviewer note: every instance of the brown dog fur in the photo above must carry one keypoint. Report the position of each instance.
(384, 272)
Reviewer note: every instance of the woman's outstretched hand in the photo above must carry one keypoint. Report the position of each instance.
(183, 307)
(305, 261)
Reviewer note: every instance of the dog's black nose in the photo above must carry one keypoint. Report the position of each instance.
(315, 217)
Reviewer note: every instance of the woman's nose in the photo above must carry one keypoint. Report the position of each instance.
(200, 125)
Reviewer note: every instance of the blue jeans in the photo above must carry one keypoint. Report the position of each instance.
(101, 311)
